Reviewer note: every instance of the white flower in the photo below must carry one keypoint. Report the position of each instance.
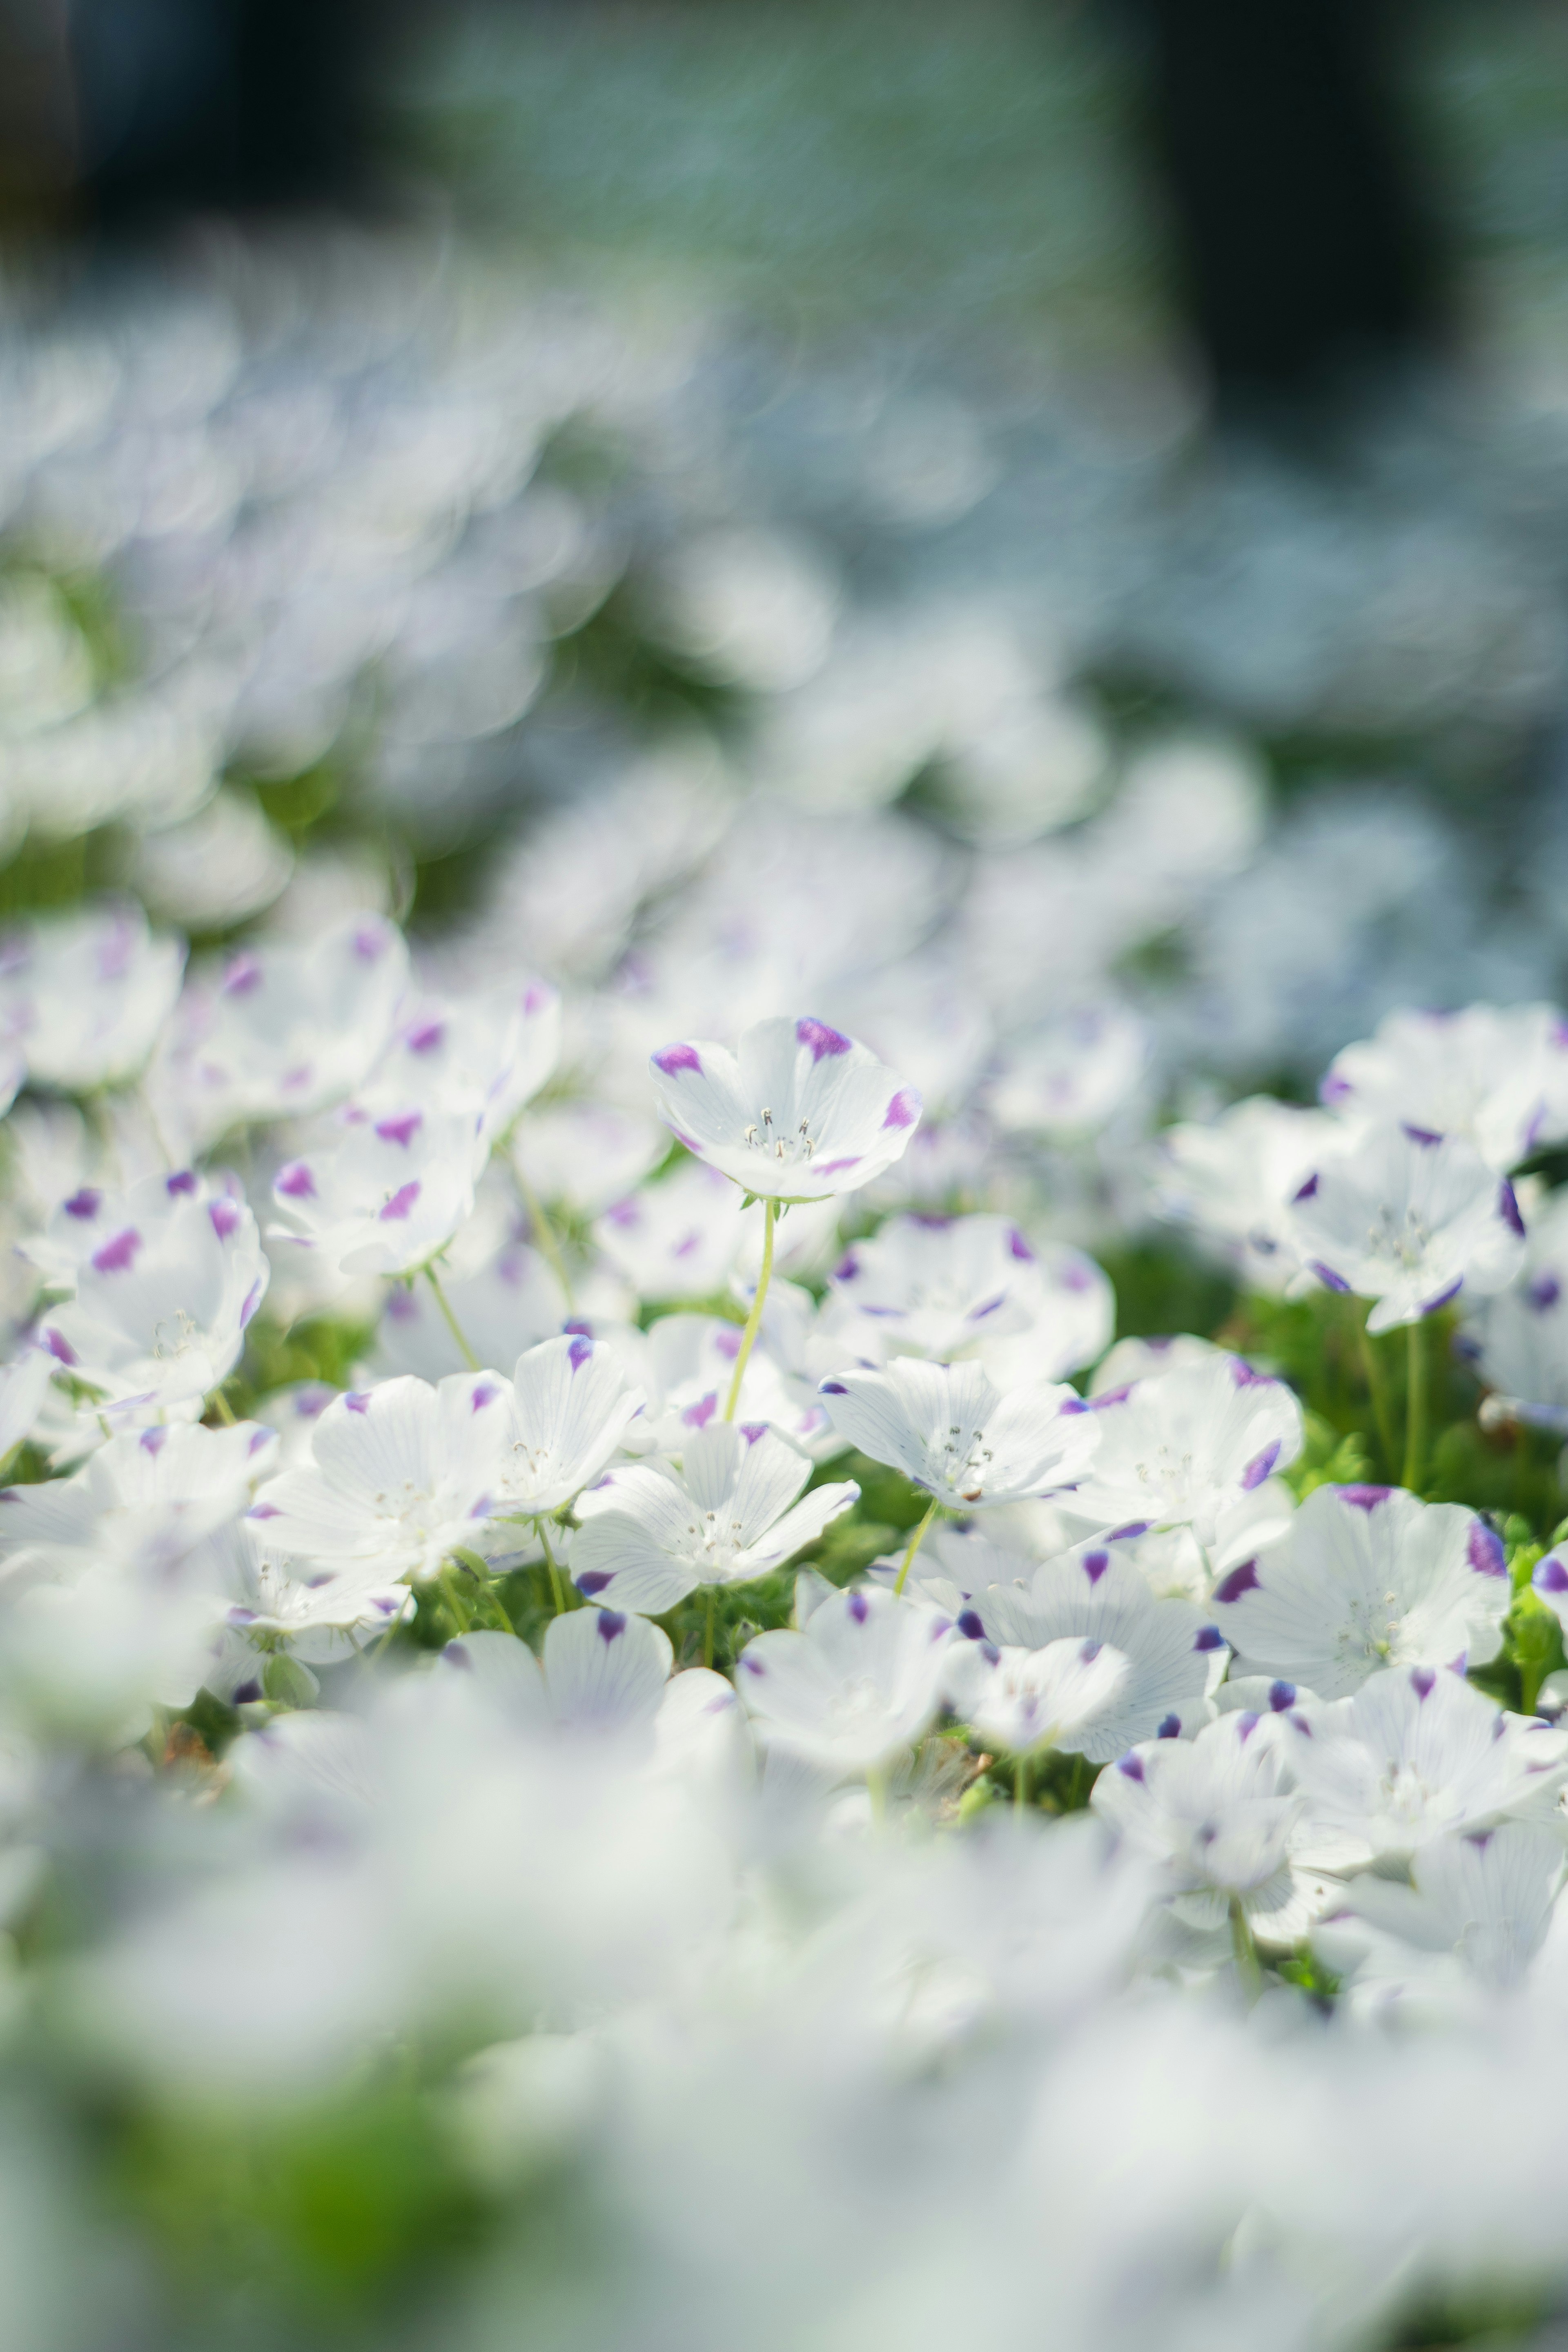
(586, 1154)
(170, 1273)
(1476, 1907)
(1499, 1078)
(1415, 1752)
(601, 1672)
(1220, 1814)
(689, 1366)
(676, 1239)
(1408, 1218)
(723, 1517)
(566, 1410)
(1071, 1078)
(1191, 1447)
(478, 1057)
(321, 1615)
(388, 1198)
(1173, 1656)
(971, 1286)
(289, 1030)
(1143, 1358)
(1029, 1700)
(1518, 1340)
(145, 1501)
(400, 1476)
(949, 1430)
(798, 1112)
(859, 1683)
(1231, 1181)
(1363, 1578)
(85, 994)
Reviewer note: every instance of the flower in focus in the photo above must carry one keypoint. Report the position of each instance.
(1408, 1218)
(651, 1535)
(1364, 1578)
(566, 1410)
(947, 1428)
(798, 1112)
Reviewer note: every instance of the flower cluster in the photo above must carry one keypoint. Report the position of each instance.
(655, 1660)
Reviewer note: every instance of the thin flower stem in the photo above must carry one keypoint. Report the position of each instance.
(915, 1542)
(754, 1320)
(556, 1585)
(1245, 1949)
(877, 1791)
(1376, 1387)
(1023, 1775)
(450, 1320)
(542, 1231)
(708, 1628)
(453, 1600)
(1415, 1406)
(223, 1409)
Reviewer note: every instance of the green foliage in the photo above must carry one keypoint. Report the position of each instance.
(1162, 1287)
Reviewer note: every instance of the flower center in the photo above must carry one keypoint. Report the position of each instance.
(764, 1137)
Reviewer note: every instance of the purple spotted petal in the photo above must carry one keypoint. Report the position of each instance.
(401, 1202)
(821, 1040)
(118, 1256)
(1240, 1580)
(678, 1057)
(1485, 1549)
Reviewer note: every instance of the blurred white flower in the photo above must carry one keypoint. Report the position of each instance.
(1499, 1078)
(859, 1683)
(84, 995)
(1407, 1218)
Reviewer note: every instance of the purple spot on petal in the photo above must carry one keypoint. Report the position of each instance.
(401, 1202)
(856, 1605)
(1326, 1275)
(1363, 1498)
(752, 1429)
(1421, 1680)
(224, 1216)
(263, 1511)
(152, 1441)
(118, 1255)
(612, 1626)
(1543, 1292)
(400, 1130)
(296, 1182)
(1246, 1724)
(1128, 1534)
(252, 1301)
(1550, 1576)
(579, 1353)
(727, 1343)
(485, 1393)
(357, 1400)
(699, 1416)
(426, 1037)
(1132, 1766)
(1094, 1565)
(1169, 1728)
(1425, 1136)
(970, 1626)
(1208, 1637)
(1240, 1580)
(678, 1057)
(243, 976)
(1307, 1191)
(1432, 1305)
(593, 1580)
(821, 1040)
(835, 1167)
(1281, 1695)
(904, 1109)
(1334, 1091)
(1259, 1467)
(1018, 1246)
(1507, 1208)
(84, 1204)
(832, 1388)
(1247, 1376)
(753, 1665)
(183, 1182)
(1484, 1549)
(369, 946)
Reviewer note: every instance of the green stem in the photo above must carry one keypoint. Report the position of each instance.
(877, 1791)
(708, 1628)
(1245, 1949)
(453, 1600)
(915, 1542)
(223, 1409)
(754, 1320)
(541, 1228)
(1376, 1387)
(1415, 1407)
(1023, 1775)
(451, 1321)
(556, 1585)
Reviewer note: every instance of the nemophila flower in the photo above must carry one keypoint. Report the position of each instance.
(676, 1239)
(83, 995)
(586, 1154)
(947, 1428)
(1516, 1340)
(566, 1410)
(270, 1601)
(798, 1112)
(388, 1197)
(600, 1671)
(288, 1030)
(479, 1058)
(858, 1685)
(1191, 1448)
(1221, 1818)
(145, 1501)
(1071, 1078)
(1173, 1655)
(1143, 1358)
(971, 1286)
(1364, 1578)
(1231, 1182)
(1408, 1218)
(1476, 1907)
(1027, 1701)
(1417, 1751)
(23, 1386)
(399, 1476)
(173, 1275)
(654, 1534)
(1497, 1077)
